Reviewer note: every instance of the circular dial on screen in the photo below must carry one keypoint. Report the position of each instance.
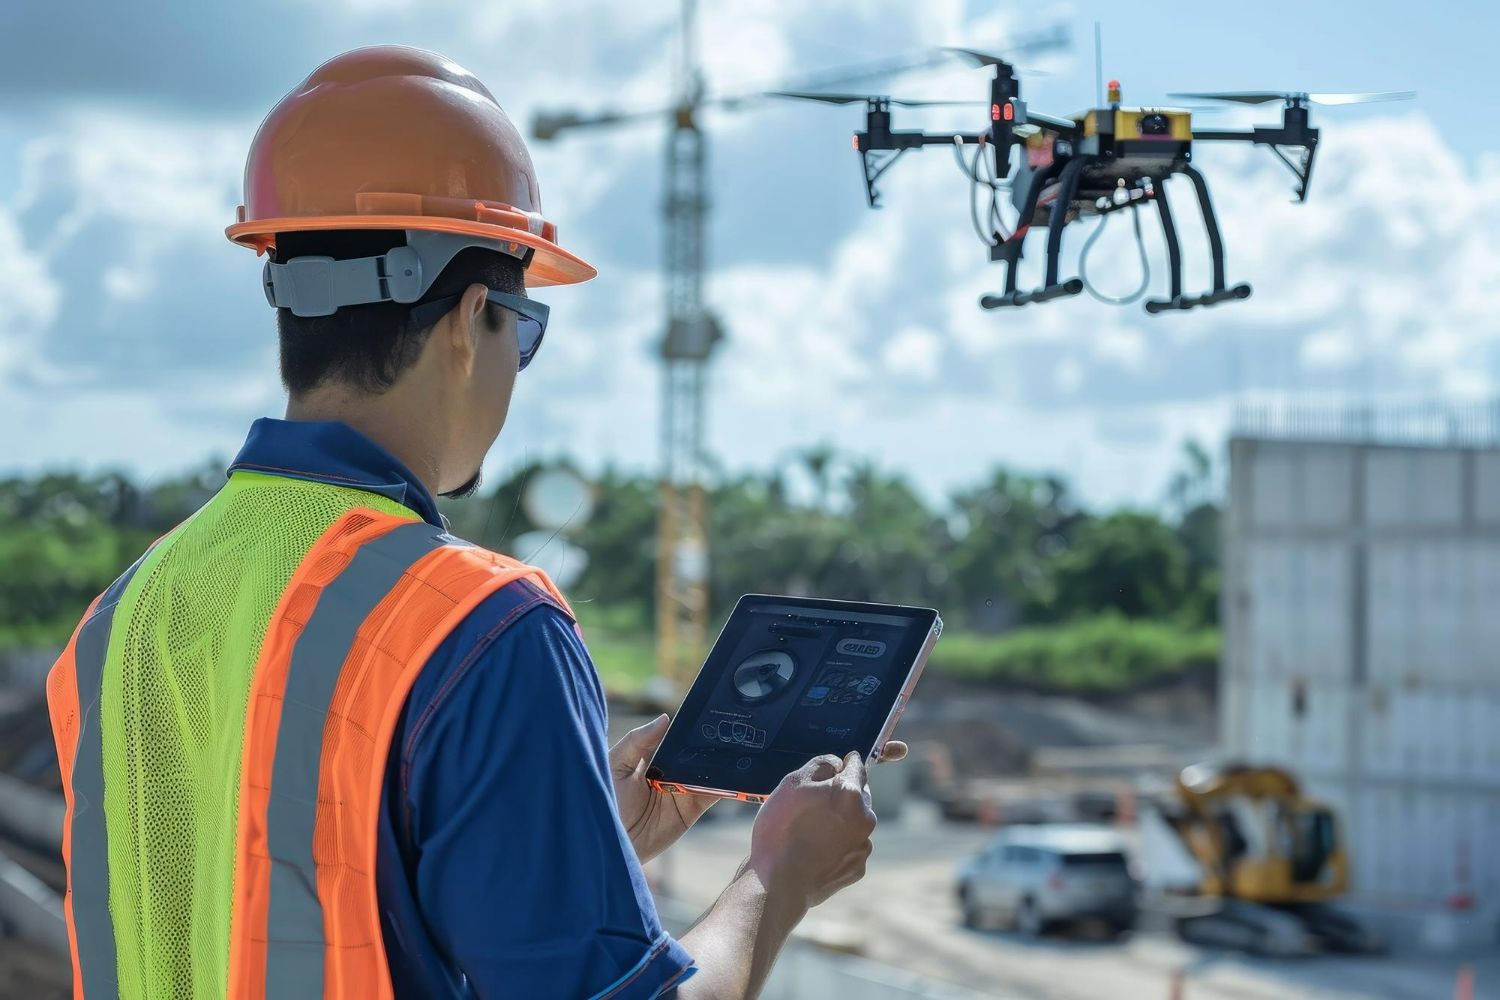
(761, 676)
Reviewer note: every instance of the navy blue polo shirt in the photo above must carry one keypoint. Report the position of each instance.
(502, 868)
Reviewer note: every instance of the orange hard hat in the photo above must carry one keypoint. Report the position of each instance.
(392, 137)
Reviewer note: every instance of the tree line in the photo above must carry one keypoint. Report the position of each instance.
(1009, 550)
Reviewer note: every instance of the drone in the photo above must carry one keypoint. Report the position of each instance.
(1096, 163)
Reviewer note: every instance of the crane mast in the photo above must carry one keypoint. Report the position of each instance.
(692, 332)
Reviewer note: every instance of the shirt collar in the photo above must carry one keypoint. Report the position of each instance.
(328, 451)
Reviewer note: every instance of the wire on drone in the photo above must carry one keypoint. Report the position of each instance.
(993, 186)
(1140, 243)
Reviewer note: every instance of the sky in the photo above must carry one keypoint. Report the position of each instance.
(134, 336)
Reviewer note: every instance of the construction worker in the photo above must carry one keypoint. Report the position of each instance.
(311, 743)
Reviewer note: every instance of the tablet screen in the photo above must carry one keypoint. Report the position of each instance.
(789, 679)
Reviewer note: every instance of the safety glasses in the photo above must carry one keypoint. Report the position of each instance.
(531, 318)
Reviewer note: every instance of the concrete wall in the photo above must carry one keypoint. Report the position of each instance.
(1362, 650)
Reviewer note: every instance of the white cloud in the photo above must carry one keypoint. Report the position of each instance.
(912, 353)
(127, 284)
(1068, 376)
(1125, 346)
(1386, 279)
(28, 294)
(1335, 347)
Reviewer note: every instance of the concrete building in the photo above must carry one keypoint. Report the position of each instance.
(1362, 643)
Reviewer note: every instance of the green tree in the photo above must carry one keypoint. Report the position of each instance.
(1192, 495)
(620, 539)
(1128, 561)
(64, 537)
(1009, 531)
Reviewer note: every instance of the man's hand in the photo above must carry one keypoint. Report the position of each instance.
(653, 819)
(812, 837)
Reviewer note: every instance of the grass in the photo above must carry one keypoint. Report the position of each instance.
(621, 644)
(1097, 655)
(624, 662)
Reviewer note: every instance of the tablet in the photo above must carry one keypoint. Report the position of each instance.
(790, 678)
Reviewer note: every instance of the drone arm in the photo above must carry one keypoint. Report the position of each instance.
(873, 169)
(949, 138)
(1294, 131)
(1065, 127)
(897, 143)
(1223, 135)
(1302, 169)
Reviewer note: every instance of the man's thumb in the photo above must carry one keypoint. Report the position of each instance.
(853, 773)
(642, 741)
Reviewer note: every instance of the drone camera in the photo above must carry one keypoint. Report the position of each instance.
(1155, 124)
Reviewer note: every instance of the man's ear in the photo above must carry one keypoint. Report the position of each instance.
(468, 326)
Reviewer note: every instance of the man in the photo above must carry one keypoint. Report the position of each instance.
(313, 744)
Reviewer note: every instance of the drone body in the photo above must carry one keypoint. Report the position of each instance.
(1095, 163)
(1122, 144)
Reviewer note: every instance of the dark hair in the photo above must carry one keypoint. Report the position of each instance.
(369, 346)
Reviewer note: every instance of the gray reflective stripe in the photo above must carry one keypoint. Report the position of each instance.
(294, 953)
(88, 863)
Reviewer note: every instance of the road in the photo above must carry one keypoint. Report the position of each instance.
(903, 914)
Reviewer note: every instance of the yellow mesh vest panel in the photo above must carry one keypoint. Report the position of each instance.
(177, 675)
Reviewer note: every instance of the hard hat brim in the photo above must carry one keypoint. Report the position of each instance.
(550, 263)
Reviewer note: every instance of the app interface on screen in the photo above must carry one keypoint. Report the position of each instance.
(802, 681)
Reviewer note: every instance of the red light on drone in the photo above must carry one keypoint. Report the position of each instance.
(994, 112)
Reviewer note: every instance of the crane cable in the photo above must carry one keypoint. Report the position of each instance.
(1140, 243)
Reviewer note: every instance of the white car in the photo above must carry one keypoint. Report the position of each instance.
(1032, 877)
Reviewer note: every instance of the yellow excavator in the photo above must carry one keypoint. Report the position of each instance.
(1243, 860)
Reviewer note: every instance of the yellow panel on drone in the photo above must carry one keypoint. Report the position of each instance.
(1148, 123)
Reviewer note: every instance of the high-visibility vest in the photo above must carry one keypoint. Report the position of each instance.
(223, 715)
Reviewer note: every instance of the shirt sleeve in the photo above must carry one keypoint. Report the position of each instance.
(523, 872)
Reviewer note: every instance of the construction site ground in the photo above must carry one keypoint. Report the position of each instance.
(904, 914)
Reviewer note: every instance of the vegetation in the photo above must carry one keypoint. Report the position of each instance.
(1093, 655)
(1036, 589)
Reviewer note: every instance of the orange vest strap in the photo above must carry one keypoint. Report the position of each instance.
(74, 686)
(370, 602)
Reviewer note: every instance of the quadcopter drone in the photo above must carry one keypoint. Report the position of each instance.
(1096, 163)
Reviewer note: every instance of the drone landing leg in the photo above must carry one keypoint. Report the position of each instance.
(1056, 220)
(1009, 250)
(1169, 234)
(1219, 293)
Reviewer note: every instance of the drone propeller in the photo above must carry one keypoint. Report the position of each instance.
(978, 58)
(802, 95)
(1269, 96)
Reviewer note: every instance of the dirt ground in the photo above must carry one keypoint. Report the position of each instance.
(904, 914)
